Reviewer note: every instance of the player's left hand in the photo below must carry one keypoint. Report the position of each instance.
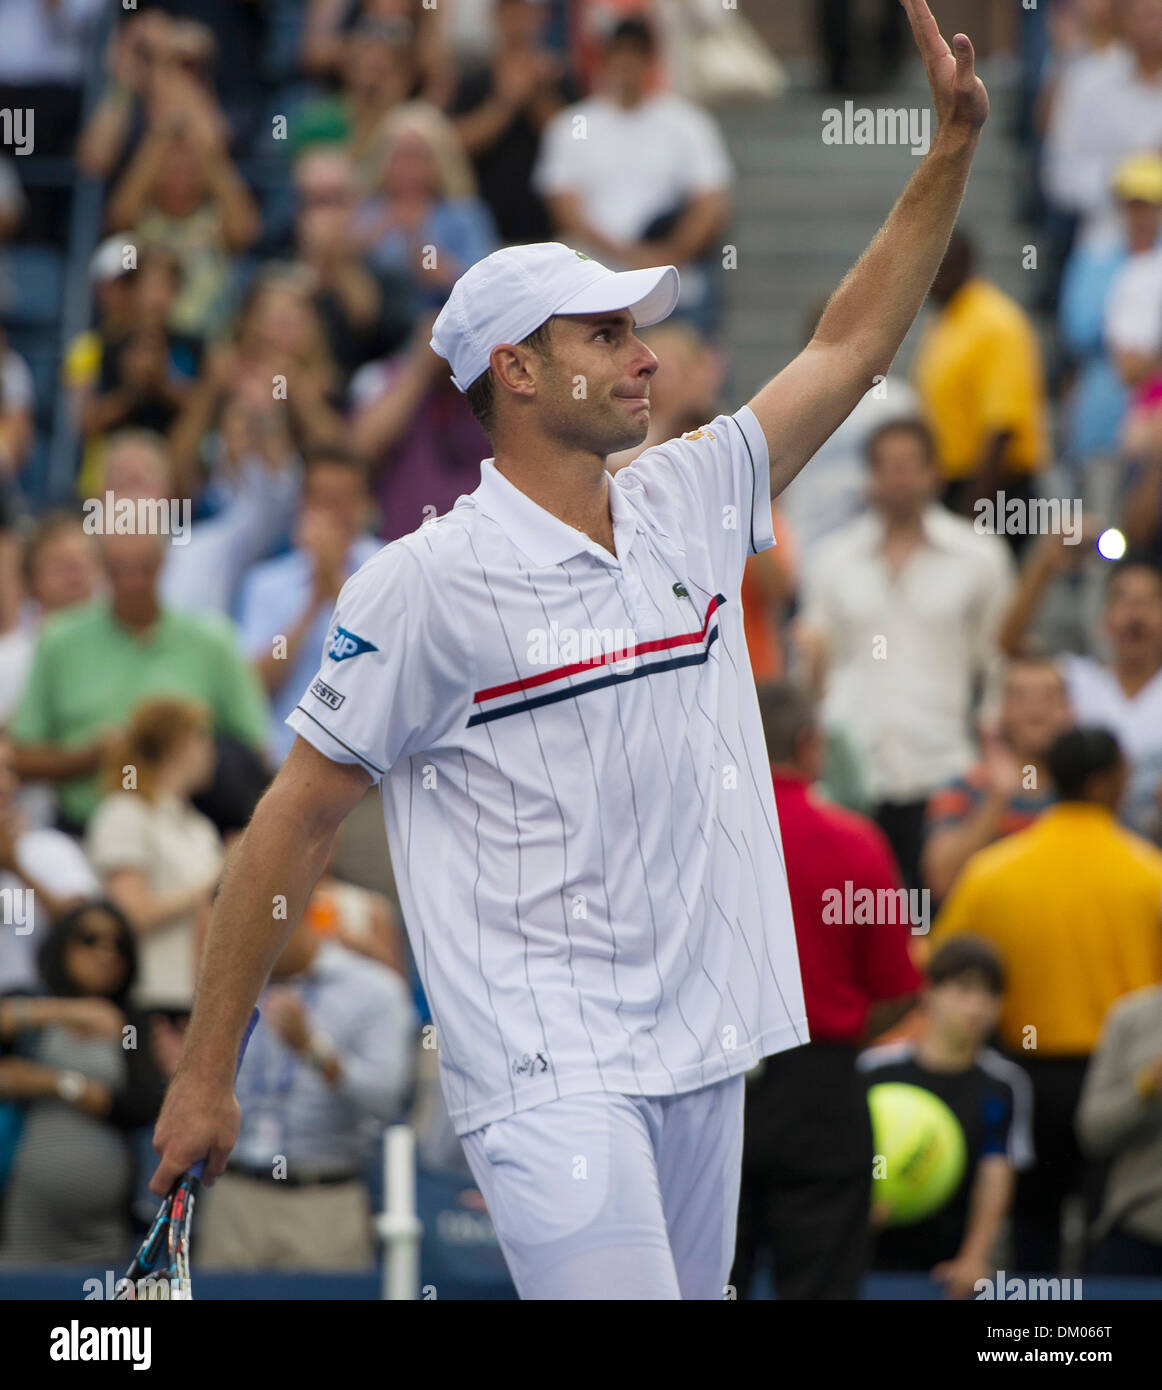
(960, 98)
(961, 1275)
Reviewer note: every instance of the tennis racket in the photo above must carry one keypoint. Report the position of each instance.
(162, 1262)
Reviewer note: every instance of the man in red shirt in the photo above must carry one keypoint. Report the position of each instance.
(807, 1151)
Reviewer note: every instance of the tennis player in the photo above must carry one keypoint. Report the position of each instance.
(551, 687)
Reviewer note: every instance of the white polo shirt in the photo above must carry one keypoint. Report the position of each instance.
(575, 785)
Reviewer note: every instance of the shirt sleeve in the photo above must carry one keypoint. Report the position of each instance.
(58, 862)
(395, 673)
(114, 839)
(713, 483)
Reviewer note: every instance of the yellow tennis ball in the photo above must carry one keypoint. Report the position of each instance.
(920, 1151)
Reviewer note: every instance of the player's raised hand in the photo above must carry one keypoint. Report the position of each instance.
(960, 98)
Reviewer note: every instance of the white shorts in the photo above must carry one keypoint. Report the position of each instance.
(610, 1196)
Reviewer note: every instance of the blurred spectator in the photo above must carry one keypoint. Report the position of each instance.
(807, 1150)
(255, 487)
(329, 1064)
(61, 565)
(112, 275)
(992, 1101)
(832, 490)
(1133, 313)
(979, 375)
(277, 359)
(379, 70)
(1123, 694)
(1095, 279)
(1142, 489)
(650, 182)
(13, 208)
(365, 313)
(44, 871)
(1119, 1120)
(143, 376)
(55, 568)
(500, 110)
(221, 43)
(417, 429)
(66, 719)
(286, 604)
(331, 25)
(180, 190)
(907, 601)
(17, 404)
(159, 858)
(423, 216)
(363, 921)
(1008, 788)
(84, 1069)
(154, 63)
(42, 64)
(1108, 105)
(1074, 907)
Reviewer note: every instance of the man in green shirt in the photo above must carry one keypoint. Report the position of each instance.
(93, 664)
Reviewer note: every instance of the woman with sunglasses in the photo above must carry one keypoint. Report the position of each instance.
(81, 1064)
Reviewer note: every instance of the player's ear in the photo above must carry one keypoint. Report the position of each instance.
(512, 369)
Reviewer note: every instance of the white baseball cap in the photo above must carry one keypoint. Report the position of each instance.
(508, 295)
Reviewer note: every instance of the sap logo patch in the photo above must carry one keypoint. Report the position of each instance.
(345, 644)
(322, 691)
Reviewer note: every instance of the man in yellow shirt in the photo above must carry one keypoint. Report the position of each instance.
(1074, 906)
(979, 373)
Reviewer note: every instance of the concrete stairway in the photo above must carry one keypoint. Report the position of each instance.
(805, 210)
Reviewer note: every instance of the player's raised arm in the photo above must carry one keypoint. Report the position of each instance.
(871, 312)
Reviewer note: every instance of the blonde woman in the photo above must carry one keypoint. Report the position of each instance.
(424, 217)
(158, 857)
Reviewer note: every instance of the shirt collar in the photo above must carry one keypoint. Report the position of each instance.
(543, 537)
(934, 523)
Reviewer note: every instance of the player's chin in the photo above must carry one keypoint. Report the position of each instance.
(633, 427)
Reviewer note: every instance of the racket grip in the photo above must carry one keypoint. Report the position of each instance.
(197, 1169)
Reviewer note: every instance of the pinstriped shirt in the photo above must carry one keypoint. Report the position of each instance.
(574, 780)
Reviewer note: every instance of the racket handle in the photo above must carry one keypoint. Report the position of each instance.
(199, 1168)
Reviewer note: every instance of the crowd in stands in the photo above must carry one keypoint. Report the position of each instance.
(290, 189)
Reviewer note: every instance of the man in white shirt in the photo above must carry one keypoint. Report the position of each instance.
(637, 177)
(551, 685)
(908, 600)
(1109, 105)
(1124, 693)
